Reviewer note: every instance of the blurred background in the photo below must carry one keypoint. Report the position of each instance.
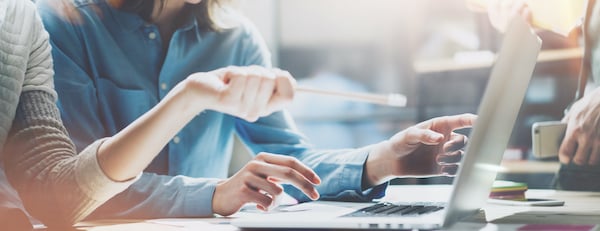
(437, 53)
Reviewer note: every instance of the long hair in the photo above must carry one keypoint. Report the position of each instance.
(211, 14)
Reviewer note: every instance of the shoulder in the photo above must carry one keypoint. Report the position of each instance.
(242, 26)
(238, 30)
(73, 12)
(252, 47)
(69, 5)
(14, 11)
(244, 32)
(20, 26)
(65, 19)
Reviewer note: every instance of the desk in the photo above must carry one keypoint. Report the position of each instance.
(580, 208)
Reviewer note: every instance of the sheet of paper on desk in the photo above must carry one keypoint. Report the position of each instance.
(557, 227)
(195, 224)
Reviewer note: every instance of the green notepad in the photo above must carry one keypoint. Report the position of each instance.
(508, 190)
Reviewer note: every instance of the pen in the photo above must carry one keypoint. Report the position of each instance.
(393, 100)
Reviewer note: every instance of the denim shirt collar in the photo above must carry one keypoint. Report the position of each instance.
(127, 20)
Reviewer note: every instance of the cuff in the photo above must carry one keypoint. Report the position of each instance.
(198, 197)
(376, 192)
(352, 177)
(91, 178)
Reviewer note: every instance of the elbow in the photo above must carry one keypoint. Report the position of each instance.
(51, 197)
(52, 209)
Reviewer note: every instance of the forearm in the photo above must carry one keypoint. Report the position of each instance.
(56, 185)
(342, 173)
(129, 152)
(376, 168)
(159, 196)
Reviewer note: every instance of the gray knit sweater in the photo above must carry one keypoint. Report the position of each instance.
(55, 184)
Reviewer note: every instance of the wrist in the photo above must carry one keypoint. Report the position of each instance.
(216, 199)
(377, 167)
(184, 100)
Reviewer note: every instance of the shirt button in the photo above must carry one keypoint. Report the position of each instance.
(163, 86)
(152, 35)
(176, 139)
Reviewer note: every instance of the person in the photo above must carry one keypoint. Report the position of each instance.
(59, 186)
(579, 152)
(37, 154)
(116, 60)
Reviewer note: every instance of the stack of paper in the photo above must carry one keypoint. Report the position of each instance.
(508, 190)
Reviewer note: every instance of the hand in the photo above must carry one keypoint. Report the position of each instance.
(501, 12)
(245, 92)
(259, 182)
(426, 149)
(581, 144)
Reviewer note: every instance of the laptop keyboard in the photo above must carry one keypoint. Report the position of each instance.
(388, 209)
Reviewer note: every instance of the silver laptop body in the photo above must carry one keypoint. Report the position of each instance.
(497, 112)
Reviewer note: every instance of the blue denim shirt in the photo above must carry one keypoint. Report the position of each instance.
(110, 69)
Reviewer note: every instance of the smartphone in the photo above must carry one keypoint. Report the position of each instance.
(546, 138)
(528, 202)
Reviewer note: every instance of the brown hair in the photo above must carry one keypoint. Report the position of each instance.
(210, 13)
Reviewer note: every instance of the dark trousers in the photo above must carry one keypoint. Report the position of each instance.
(578, 178)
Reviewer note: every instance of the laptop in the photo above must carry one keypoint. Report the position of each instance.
(488, 140)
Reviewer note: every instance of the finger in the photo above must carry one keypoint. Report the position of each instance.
(291, 162)
(456, 142)
(288, 175)
(595, 154)
(224, 73)
(450, 158)
(567, 147)
(414, 136)
(583, 151)
(526, 13)
(265, 93)
(449, 169)
(253, 83)
(284, 91)
(236, 86)
(252, 195)
(260, 183)
(451, 123)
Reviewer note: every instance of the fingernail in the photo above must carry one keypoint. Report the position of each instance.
(315, 195)
(317, 180)
(261, 207)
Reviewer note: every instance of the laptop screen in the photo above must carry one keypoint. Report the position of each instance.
(497, 113)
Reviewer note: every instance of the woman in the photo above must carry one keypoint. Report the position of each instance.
(116, 60)
(60, 187)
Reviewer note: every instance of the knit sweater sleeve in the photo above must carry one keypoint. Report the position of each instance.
(56, 185)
